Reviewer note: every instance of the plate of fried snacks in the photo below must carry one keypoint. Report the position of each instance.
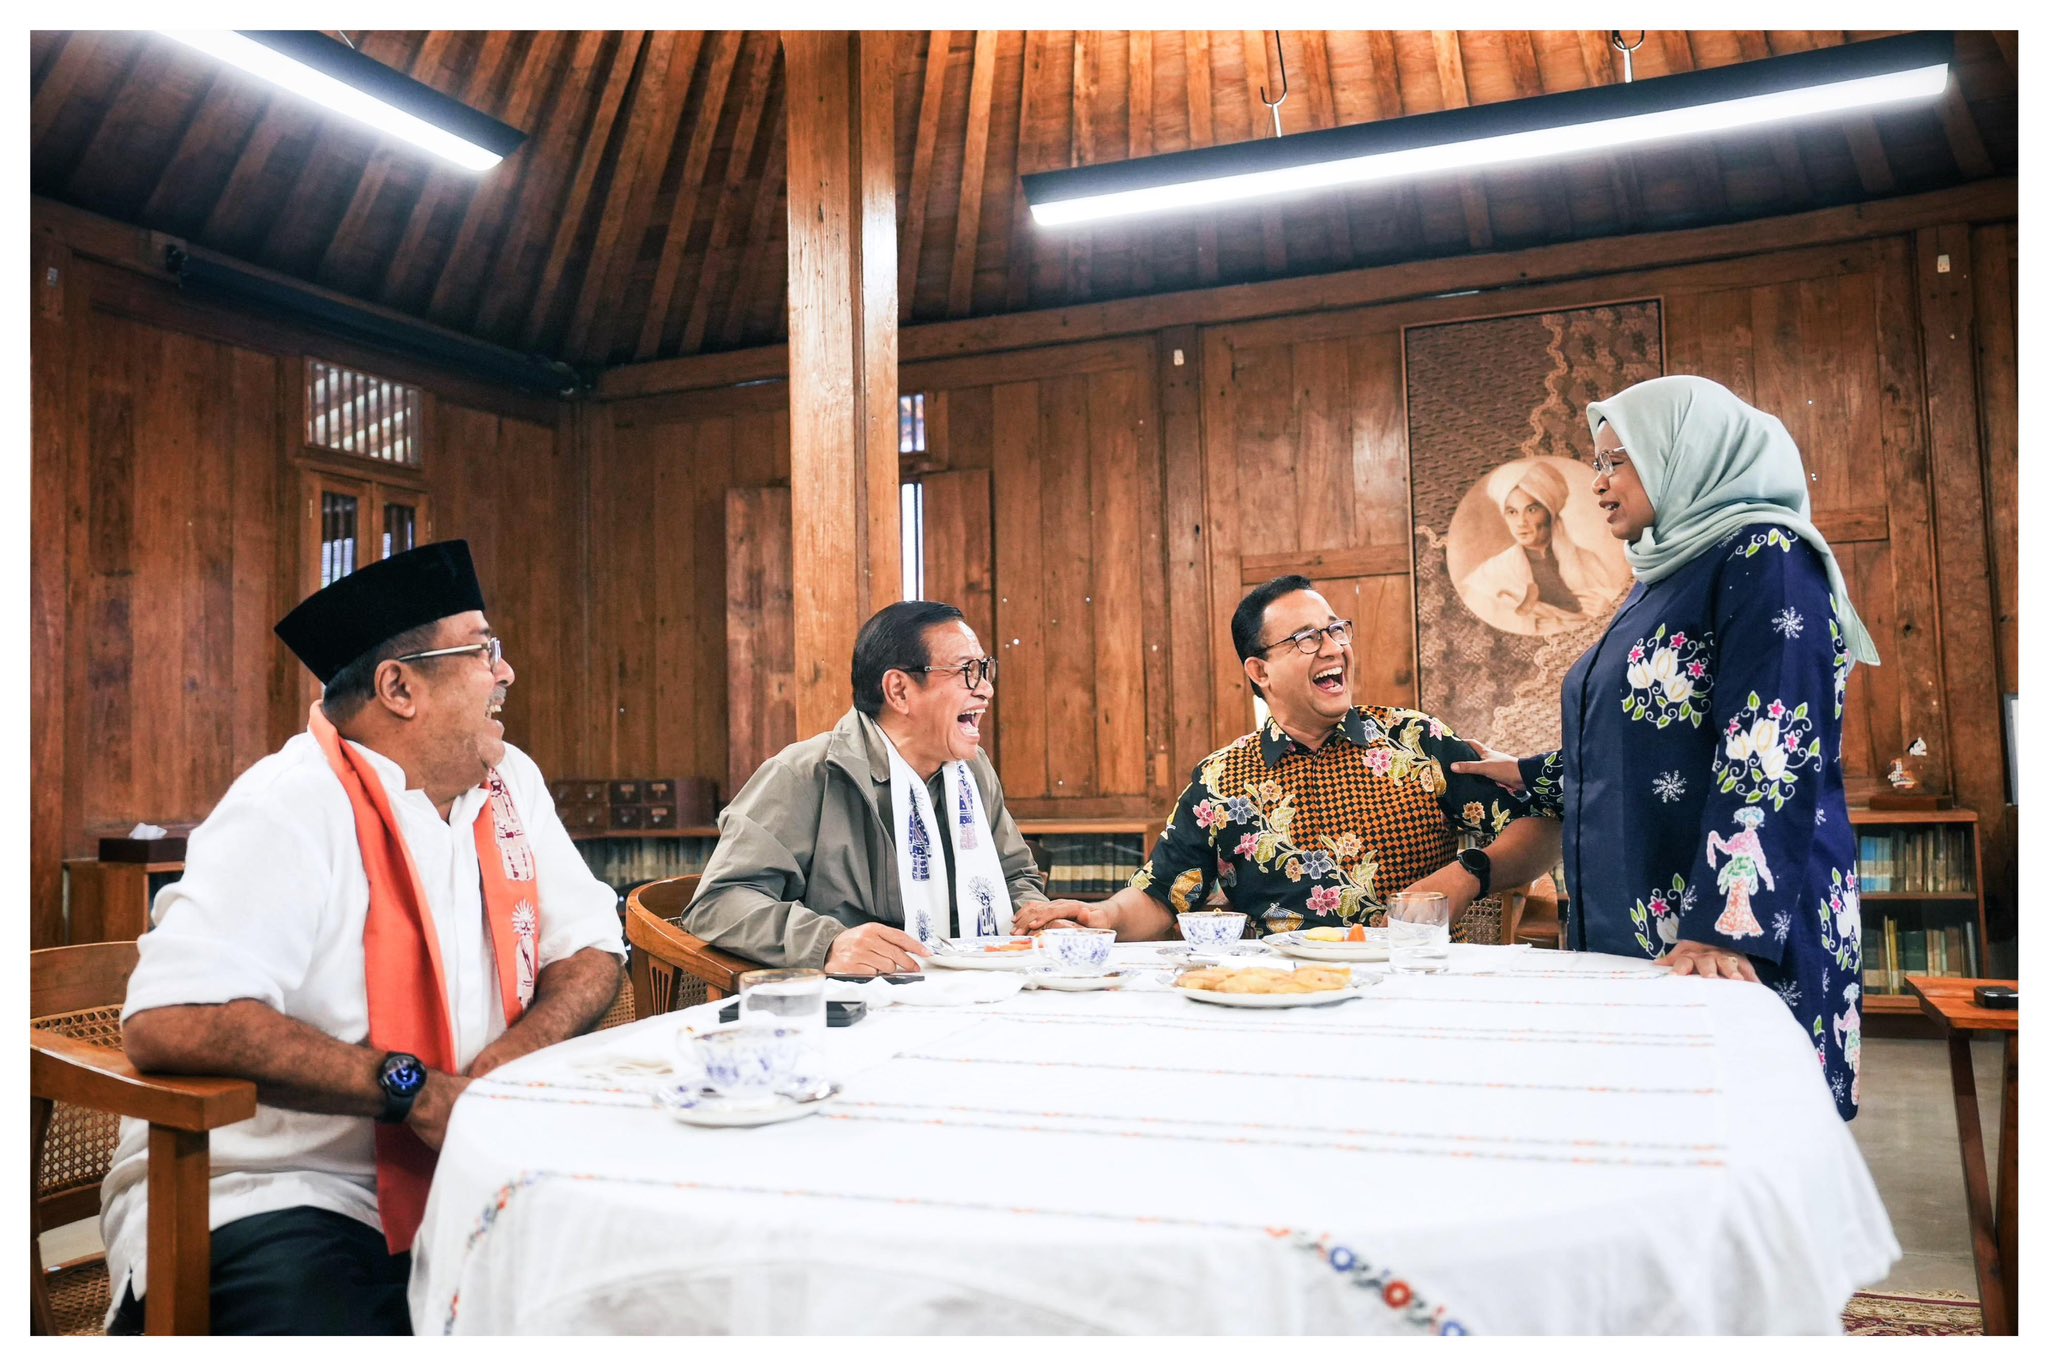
(1001, 952)
(1331, 944)
(1266, 987)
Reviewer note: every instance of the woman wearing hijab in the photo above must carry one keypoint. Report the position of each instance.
(1700, 782)
(1544, 581)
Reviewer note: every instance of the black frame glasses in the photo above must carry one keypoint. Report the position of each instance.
(493, 648)
(1310, 640)
(973, 672)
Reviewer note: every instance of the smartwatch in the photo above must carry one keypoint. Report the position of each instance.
(401, 1075)
(1479, 864)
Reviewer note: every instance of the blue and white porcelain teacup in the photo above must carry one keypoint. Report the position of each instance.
(1211, 929)
(1077, 952)
(747, 1061)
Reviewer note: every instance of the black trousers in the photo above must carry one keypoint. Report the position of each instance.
(299, 1271)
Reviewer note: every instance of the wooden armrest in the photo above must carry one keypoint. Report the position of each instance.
(714, 967)
(100, 1078)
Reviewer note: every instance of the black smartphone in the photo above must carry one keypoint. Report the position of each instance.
(1998, 998)
(837, 1013)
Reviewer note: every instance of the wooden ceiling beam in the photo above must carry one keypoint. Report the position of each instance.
(760, 70)
(1785, 154)
(2009, 48)
(1138, 140)
(973, 167)
(1384, 83)
(409, 261)
(132, 104)
(1709, 180)
(1450, 75)
(569, 224)
(931, 100)
(1002, 181)
(1520, 49)
(70, 64)
(1596, 52)
(753, 277)
(1258, 71)
(628, 200)
(455, 285)
(1965, 140)
(228, 114)
(1022, 257)
(1866, 145)
(725, 52)
(1078, 281)
(348, 229)
(1316, 90)
(1202, 133)
(341, 150)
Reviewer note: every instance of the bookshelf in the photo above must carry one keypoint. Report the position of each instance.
(1921, 878)
(1090, 858)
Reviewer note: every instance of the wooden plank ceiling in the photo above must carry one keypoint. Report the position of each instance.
(644, 217)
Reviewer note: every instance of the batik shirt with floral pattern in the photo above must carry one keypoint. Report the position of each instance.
(1323, 837)
(1700, 784)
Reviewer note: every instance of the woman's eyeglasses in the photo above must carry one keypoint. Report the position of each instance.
(973, 673)
(1604, 463)
(493, 650)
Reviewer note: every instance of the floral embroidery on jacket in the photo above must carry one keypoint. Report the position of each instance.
(1841, 921)
(1662, 906)
(1668, 678)
(1765, 539)
(1763, 750)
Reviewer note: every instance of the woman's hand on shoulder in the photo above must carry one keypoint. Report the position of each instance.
(1504, 769)
(1690, 958)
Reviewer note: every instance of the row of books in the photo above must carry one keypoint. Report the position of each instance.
(624, 864)
(1934, 859)
(1892, 952)
(1090, 866)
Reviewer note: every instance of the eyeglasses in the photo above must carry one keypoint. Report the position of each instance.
(1309, 641)
(493, 648)
(973, 673)
(1604, 464)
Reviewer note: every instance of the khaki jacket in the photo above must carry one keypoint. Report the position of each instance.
(808, 849)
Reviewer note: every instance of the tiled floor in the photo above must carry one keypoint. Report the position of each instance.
(1907, 1131)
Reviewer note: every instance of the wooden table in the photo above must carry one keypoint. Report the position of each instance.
(1994, 1237)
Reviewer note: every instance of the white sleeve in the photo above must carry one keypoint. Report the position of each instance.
(577, 911)
(243, 921)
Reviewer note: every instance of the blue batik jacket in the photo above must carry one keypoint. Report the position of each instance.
(1700, 783)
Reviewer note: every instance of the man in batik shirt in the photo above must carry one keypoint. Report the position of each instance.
(1328, 809)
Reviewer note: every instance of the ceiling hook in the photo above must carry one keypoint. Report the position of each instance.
(1274, 105)
(1627, 51)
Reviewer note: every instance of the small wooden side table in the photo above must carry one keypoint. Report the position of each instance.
(1994, 1237)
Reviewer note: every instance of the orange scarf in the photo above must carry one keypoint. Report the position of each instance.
(404, 979)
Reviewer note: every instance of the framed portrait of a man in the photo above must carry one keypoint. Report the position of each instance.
(1516, 574)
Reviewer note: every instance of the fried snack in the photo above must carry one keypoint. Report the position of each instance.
(1265, 981)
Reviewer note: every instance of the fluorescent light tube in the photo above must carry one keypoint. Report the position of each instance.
(1567, 124)
(363, 90)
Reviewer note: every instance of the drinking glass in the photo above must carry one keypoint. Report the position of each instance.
(1419, 932)
(787, 998)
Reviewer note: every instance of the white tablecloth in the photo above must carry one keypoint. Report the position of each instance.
(1536, 1143)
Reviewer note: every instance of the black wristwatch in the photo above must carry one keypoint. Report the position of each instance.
(1479, 864)
(401, 1075)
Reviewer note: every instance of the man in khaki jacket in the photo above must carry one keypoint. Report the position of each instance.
(807, 871)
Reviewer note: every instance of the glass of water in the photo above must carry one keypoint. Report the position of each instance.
(1419, 932)
(785, 998)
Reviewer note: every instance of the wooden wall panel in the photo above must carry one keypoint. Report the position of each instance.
(760, 628)
(959, 566)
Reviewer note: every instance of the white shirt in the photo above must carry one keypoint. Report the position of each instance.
(271, 907)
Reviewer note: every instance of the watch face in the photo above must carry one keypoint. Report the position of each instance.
(403, 1074)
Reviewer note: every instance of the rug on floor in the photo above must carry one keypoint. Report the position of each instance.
(1930, 1314)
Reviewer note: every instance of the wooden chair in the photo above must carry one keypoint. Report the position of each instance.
(673, 968)
(79, 1083)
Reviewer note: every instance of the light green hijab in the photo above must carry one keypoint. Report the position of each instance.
(1711, 463)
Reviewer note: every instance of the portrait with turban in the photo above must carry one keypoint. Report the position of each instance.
(1545, 579)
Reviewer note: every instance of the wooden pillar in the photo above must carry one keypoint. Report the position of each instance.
(845, 520)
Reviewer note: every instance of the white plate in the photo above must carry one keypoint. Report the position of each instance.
(1270, 1001)
(1053, 981)
(709, 1110)
(988, 962)
(1373, 950)
(1215, 954)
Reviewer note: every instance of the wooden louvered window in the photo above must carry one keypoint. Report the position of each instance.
(362, 415)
